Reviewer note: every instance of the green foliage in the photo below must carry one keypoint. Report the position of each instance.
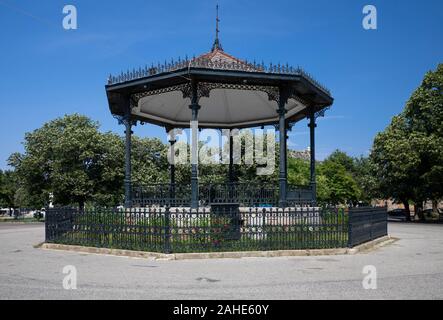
(149, 161)
(340, 178)
(248, 172)
(323, 190)
(62, 157)
(365, 178)
(395, 161)
(339, 181)
(408, 155)
(424, 119)
(218, 173)
(341, 158)
(70, 158)
(298, 171)
(109, 174)
(8, 188)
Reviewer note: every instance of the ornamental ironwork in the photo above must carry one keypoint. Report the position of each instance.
(204, 89)
(205, 63)
(125, 119)
(272, 92)
(215, 229)
(321, 113)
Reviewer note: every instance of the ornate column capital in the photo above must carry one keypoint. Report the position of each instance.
(321, 113)
(284, 93)
(281, 111)
(125, 120)
(172, 134)
(312, 124)
(194, 106)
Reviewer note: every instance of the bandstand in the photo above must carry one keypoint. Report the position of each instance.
(217, 90)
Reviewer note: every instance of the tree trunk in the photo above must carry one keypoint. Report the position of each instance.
(419, 212)
(407, 211)
(81, 205)
(435, 208)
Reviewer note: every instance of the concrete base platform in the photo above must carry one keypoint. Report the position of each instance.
(365, 247)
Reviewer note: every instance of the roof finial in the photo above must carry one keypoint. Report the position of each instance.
(217, 44)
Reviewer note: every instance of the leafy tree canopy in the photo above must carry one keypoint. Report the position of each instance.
(7, 189)
(407, 156)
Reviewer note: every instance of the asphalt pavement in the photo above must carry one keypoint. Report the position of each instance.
(411, 268)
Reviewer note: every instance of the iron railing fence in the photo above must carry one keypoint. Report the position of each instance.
(366, 224)
(161, 194)
(209, 229)
(245, 194)
(299, 195)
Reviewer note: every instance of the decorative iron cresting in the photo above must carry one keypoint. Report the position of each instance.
(206, 63)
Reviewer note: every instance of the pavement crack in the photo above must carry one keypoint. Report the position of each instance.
(143, 266)
(203, 279)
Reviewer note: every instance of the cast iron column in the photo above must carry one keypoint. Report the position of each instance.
(172, 141)
(231, 158)
(312, 126)
(231, 186)
(128, 132)
(282, 131)
(194, 144)
(286, 151)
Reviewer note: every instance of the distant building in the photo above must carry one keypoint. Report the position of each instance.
(300, 154)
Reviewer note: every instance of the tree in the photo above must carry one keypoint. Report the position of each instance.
(248, 173)
(424, 117)
(343, 159)
(339, 185)
(408, 155)
(149, 161)
(337, 178)
(109, 173)
(395, 162)
(298, 172)
(71, 159)
(365, 178)
(8, 189)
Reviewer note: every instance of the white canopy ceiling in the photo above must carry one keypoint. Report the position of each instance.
(229, 108)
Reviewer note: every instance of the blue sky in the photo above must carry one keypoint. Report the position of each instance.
(46, 71)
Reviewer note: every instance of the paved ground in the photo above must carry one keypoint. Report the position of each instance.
(410, 268)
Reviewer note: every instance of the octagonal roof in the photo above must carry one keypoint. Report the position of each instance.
(233, 93)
